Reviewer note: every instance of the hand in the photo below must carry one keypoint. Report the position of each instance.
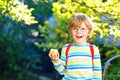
(54, 54)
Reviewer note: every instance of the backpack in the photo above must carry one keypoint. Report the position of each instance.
(68, 47)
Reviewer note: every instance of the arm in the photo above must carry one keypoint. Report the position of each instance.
(97, 65)
(59, 67)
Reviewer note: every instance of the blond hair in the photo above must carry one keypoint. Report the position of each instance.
(77, 19)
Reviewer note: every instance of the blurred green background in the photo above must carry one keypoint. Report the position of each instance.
(30, 28)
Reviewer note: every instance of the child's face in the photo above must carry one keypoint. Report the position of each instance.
(80, 34)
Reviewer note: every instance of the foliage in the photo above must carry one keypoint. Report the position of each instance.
(106, 20)
(17, 10)
(108, 52)
(49, 40)
(113, 71)
(42, 9)
(10, 47)
(15, 53)
(105, 16)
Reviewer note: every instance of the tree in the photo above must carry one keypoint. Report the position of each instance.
(13, 33)
(105, 16)
(17, 11)
(42, 9)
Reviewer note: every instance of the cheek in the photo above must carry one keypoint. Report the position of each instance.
(71, 34)
(87, 34)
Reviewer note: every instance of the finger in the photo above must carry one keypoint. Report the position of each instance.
(50, 54)
(54, 54)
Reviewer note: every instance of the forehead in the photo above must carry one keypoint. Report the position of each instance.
(78, 24)
(78, 20)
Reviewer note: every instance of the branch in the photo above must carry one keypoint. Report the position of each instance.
(92, 8)
(96, 11)
(112, 4)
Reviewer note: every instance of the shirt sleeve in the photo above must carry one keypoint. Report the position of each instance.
(97, 64)
(60, 64)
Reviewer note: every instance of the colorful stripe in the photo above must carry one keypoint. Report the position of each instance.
(79, 65)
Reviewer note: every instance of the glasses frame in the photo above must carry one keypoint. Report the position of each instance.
(75, 29)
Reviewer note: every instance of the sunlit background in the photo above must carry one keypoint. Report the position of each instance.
(30, 28)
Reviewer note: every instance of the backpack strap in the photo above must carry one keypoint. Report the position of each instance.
(66, 53)
(92, 52)
(68, 47)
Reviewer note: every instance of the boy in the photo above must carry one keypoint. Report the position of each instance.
(79, 64)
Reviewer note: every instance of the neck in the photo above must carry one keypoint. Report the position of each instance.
(79, 43)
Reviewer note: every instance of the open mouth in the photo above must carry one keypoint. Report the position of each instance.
(79, 37)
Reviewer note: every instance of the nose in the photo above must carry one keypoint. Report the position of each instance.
(79, 30)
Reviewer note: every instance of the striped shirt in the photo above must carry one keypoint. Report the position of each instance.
(79, 64)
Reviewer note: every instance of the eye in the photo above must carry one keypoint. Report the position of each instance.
(74, 28)
(83, 29)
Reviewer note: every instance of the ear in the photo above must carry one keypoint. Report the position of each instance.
(90, 31)
(70, 33)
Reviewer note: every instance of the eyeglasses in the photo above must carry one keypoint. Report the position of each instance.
(81, 29)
